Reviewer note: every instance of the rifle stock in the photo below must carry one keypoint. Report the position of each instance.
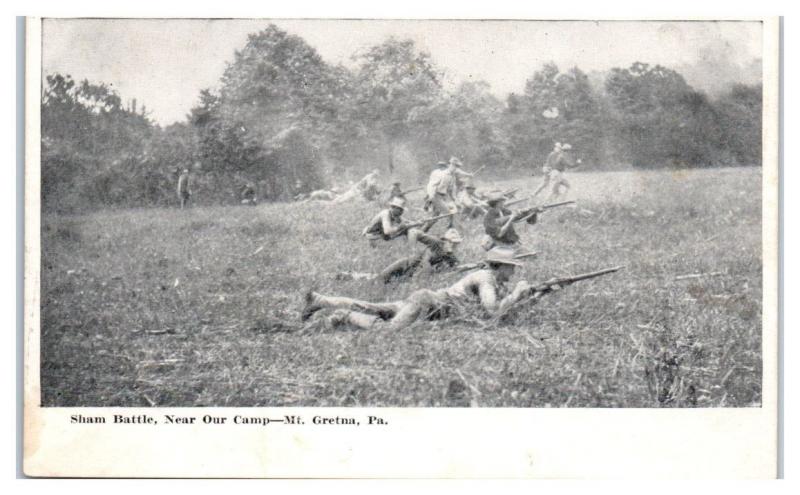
(421, 222)
(409, 191)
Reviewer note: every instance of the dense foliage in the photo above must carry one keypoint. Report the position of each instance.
(286, 120)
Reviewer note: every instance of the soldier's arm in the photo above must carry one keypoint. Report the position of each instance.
(487, 293)
(386, 223)
(521, 290)
(429, 240)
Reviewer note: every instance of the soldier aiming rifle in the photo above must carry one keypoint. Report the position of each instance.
(487, 287)
(388, 223)
(499, 221)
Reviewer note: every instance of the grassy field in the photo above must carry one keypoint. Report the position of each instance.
(162, 307)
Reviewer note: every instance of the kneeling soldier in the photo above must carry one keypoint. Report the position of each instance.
(499, 222)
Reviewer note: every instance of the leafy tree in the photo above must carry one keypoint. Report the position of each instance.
(396, 84)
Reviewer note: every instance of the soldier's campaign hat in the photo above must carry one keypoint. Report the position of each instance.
(455, 161)
(566, 146)
(558, 146)
(453, 236)
(502, 254)
(441, 163)
(396, 183)
(469, 185)
(398, 202)
(495, 197)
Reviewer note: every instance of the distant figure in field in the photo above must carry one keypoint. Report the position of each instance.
(486, 287)
(184, 188)
(248, 194)
(367, 188)
(395, 192)
(554, 167)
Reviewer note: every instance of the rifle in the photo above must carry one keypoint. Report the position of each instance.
(536, 291)
(479, 169)
(482, 264)
(409, 191)
(511, 203)
(511, 192)
(539, 209)
(411, 225)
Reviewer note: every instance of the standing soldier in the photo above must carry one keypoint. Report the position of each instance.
(387, 224)
(564, 161)
(184, 189)
(499, 222)
(441, 190)
(555, 164)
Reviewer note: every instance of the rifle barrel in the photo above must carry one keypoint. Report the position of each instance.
(555, 205)
(516, 201)
(582, 276)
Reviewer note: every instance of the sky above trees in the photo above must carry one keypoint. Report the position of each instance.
(165, 64)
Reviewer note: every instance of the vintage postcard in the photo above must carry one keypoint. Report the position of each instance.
(401, 248)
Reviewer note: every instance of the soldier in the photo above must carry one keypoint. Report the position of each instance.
(472, 206)
(555, 164)
(438, 256)
(441, 190)
(248, 194)
(486, 286)
(184, 188)
(387, 224)
(499, 222)
(395, 192)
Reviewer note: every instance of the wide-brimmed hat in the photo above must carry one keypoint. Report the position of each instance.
(441, 163)
(453, 236)
(502, 254)
(398, 202)
(396, 183)
(557, 146)
(455, 161)
(566, 146)
(495, 197)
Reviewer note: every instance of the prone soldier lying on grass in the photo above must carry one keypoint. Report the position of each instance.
(486, 287)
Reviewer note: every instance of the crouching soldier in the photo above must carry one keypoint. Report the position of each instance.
(485, 287)
(471, 205)
(438, 256)
(499, 222)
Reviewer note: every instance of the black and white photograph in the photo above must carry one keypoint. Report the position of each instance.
(401, 213)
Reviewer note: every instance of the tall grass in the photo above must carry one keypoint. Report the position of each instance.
(200, 307)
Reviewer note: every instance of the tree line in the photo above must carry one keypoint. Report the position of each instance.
(288, 121)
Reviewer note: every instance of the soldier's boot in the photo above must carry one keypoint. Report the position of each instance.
(311, 305)
(342, 317)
